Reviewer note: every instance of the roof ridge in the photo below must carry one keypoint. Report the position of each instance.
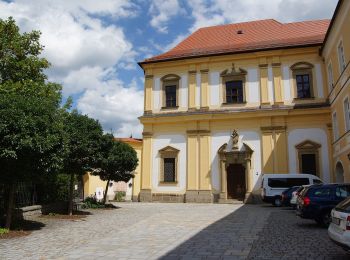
(228, 24)
(308, 21)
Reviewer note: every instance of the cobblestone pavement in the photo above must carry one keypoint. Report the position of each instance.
(175, 231)
(289, 237)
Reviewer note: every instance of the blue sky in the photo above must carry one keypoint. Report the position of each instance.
(94, 46)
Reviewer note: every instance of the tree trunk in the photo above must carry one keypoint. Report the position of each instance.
(105, 195)
(71, 192)
(10, 205)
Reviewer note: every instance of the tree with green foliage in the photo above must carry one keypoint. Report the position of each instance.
(117, 162)
(82, 142)
(30, 125)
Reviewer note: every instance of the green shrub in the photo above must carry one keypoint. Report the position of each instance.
(120, 196)
(3, 231)
(92, 203)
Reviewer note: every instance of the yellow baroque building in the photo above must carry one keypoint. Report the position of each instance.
(233, 102)
(336, 53)
(91, 183)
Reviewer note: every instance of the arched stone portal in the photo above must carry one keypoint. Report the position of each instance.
(235, 168)
(339, 173)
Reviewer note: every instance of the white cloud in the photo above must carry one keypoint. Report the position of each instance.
(116, 106)
(162, 11)
(84, 52)
(209, 13)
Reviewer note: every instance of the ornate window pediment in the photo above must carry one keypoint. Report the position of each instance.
(308, 145)
(233, 72)
(233, 85)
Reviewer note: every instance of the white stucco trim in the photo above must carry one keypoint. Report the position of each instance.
(156, 94)
(177, 141)
(214, 88)
(319, 80)
(253, 86)
(317, 135)
(183, 91)
(251, 138)
(286, 83)
(198, 90)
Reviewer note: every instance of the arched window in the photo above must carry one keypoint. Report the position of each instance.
(233, 85)
(339, 173)
(170, 89)
(308, 156)
(303, 80)
(168, 165)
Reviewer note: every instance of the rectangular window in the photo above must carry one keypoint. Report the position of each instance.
(341, 57)
(330, 76)
(347, 114)
(335, 126)
(303, 86)
(170, 96)
(234, 91)
(169, 169)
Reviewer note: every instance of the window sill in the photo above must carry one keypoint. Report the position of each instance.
(170, 108)
(301, 99)
(232, 104)
(164, 183)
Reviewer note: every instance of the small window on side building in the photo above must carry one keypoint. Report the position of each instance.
(347, 114)
(341, 57)
(330, 76)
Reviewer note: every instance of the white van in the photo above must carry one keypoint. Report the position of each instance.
(273, 185)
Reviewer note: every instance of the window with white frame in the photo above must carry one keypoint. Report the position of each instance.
(330, 75)
(347, 114)
(335, 126)
(341, 56)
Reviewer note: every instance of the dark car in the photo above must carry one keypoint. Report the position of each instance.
(317, 201)
(287, 195)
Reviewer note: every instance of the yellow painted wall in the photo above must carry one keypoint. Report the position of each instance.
(91, 182)
(340, 31)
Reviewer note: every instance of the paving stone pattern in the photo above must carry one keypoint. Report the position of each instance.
(289, 237)
(174, 231)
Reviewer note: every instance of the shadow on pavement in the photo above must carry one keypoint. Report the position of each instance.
(259, 231)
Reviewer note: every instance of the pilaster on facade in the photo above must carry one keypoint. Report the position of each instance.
(192, 84)
(277, 81)
(274, 143)
(204, 104)
(148, 99)
(146, 177)
(264, 94)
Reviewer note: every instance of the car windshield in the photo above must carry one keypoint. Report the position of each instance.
(344, 206)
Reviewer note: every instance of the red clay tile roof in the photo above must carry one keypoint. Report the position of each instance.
(256, 36)
(129, 140)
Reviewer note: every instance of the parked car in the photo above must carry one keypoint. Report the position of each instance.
(287, 195)
(273, 185)
(339, 229)
(295, 194)
(317, 201)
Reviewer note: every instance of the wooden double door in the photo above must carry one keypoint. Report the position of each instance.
(236, 181)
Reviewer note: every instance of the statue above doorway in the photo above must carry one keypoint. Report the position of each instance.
(235, 138)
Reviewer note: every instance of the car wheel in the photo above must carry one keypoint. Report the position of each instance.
(324, 220)
(277, 202)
